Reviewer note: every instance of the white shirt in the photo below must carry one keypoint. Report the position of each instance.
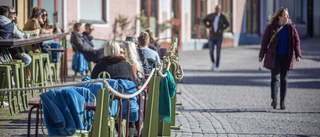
(215, 22)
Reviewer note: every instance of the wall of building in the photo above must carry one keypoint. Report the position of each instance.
(107, 30)
(316, 19)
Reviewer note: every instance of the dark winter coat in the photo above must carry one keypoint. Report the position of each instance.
(116, 66)
(269, 53)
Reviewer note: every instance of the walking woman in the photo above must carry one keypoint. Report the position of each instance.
(280, 40)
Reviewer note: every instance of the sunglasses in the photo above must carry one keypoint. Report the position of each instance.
(44, 14)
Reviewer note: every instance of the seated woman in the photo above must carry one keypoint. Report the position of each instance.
(34, 23)
(45, 23)
(131, 56)
(114, 64)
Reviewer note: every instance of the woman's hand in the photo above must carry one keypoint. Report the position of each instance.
(260, 59)
(298, 59)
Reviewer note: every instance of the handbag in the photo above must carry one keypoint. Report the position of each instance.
(274, 35)
(269, 53)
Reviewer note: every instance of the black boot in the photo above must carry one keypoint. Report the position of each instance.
(274, 103)
(282, 105)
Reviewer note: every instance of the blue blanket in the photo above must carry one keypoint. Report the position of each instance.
(94, 88)
(129, 88)
(79, 63)
(63, 111)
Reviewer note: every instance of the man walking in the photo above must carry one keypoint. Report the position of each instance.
(217, 23)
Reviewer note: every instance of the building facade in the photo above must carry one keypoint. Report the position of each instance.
(248, 18)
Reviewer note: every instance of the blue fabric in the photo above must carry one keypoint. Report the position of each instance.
(129, 88)
(94, 88)
(6, 31)
(213, 42)
(63, 111)
(85, 92)
(55, 55)
(85, 36)
(150, 46)
(167, 91)
(151, 54)
(282, 45)
(79, 63)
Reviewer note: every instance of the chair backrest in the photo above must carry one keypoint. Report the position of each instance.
(74, 47)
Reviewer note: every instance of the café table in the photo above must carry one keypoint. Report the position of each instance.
(13, 43)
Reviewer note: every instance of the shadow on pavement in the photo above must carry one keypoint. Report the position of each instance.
(245, 110)
(298, 78)
(226, 80)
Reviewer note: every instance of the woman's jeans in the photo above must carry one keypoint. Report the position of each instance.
(213, 42)
(280, 72)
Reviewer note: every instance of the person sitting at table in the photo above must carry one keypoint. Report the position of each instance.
(34, 23)
(142, 55)
(52, 44)
(88, 28)
(152, 42)
(13, 16)
(9, 30)
(89, 53)
(131, 56)
(143, 40)
(45, 23)
(114, 64)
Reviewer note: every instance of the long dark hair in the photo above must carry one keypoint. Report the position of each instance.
(46, 22)
(36, 11)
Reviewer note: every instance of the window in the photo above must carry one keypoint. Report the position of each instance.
(300, 12)
(55, 13)
(226, 9)
(198, 13)
(253, 17)
(151, 13)
(95, 13)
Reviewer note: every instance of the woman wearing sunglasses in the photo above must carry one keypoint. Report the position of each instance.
(46, 23)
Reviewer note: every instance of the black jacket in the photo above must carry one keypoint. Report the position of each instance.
(80, 43)
(222, 25)
(144, 61)
(116, 66)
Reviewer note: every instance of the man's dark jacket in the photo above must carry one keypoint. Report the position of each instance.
(222, 25)
(85, 48)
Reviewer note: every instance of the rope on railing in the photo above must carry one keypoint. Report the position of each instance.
(178, 74)
(87, 82)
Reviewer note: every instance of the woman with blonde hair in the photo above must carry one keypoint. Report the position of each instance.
(152, 41)
(280, 40)
(132, 55)
(114, 64)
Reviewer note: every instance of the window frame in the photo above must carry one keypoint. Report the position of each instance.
(251, 19)
(198, 20)
(105, 14)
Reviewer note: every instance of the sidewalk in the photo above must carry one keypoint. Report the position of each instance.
(236, 101)
(233, 102)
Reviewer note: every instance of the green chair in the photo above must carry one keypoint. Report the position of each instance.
(6, 82)
(37, 69)
(17, 68)
(54, 66)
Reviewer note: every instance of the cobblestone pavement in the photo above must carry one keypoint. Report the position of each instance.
(237, 101)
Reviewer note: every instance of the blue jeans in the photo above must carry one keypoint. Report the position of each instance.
(213, 42)
(55, 55)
